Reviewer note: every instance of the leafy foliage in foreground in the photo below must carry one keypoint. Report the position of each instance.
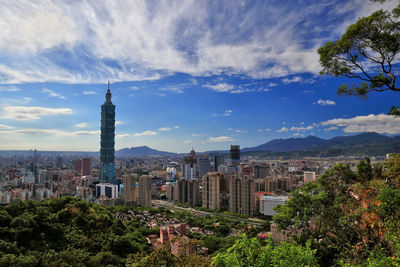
(351, 217)
(66, 231)
(252, 252)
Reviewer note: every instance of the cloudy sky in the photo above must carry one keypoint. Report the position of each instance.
(201, 74)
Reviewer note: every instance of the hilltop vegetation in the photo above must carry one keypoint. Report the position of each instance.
(346, 218)
(66, 232)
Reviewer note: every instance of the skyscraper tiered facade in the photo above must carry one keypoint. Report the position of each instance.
(107, 140)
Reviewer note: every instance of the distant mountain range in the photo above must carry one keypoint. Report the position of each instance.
(365, 143)
(362, 144)
(143, 151)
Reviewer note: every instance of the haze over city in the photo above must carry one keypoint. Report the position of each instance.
(200, 74)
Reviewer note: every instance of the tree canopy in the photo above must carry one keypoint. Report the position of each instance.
(351, 217)
(367, 51)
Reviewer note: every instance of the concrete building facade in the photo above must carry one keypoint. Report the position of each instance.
(211, 191)
(145, 191)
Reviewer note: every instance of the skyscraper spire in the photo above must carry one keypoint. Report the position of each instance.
(108, 94)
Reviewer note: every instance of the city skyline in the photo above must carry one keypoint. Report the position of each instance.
(202, 75)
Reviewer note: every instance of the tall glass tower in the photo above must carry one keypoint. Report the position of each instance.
(107, 140)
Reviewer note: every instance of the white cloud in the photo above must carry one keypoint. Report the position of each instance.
(148, 41)
(89, 93)
(227, 113)
(331, 128)
(325, 102)
(176, 127)
(237, 131)
(9, 89)
(164, 129)
(173, 89)
(187, 141)
(119, 122)
(146, 133)
(268, 129)
(121, 135)
(294, 79)
(260, 130)
(220, 87)
(308, 128)
(5, 127)
(380, 123)
(272, 84)
(34, 131)
(82, 125)
(219, 139)
(51, 93)
(32, 113)
(283, 130)
(195, 134)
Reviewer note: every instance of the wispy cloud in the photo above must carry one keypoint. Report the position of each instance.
(5, 127)
(237, 131)
(331, 128)
(198, 38)
(32, 113)
(82, 125)
(35, 131)
(119, 122)
(227, 113)
(308, 128)
(380, 123)
(220, 87)
(9, 89)
(164, 129)
(187, 141)
(219, 139)
(291, 80)
(51, 93)
(121, 135)
(146, 133)
(173, 89)
(89, 93)
(325, 102)
(283, 130)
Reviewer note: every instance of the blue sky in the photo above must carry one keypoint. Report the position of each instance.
(201, 74)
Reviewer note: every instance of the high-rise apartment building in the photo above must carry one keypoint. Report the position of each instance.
(85, 166)
(211, 190)
(107, 142)
(190, 166)
(193, 192)
(234, 155)
(241, 194)
(219, 159)
(309, 177)
(145, 191)
(268, 203)
(204, 166)
(130, 189)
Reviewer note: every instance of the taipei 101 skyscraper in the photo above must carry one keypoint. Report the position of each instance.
(107, 140)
